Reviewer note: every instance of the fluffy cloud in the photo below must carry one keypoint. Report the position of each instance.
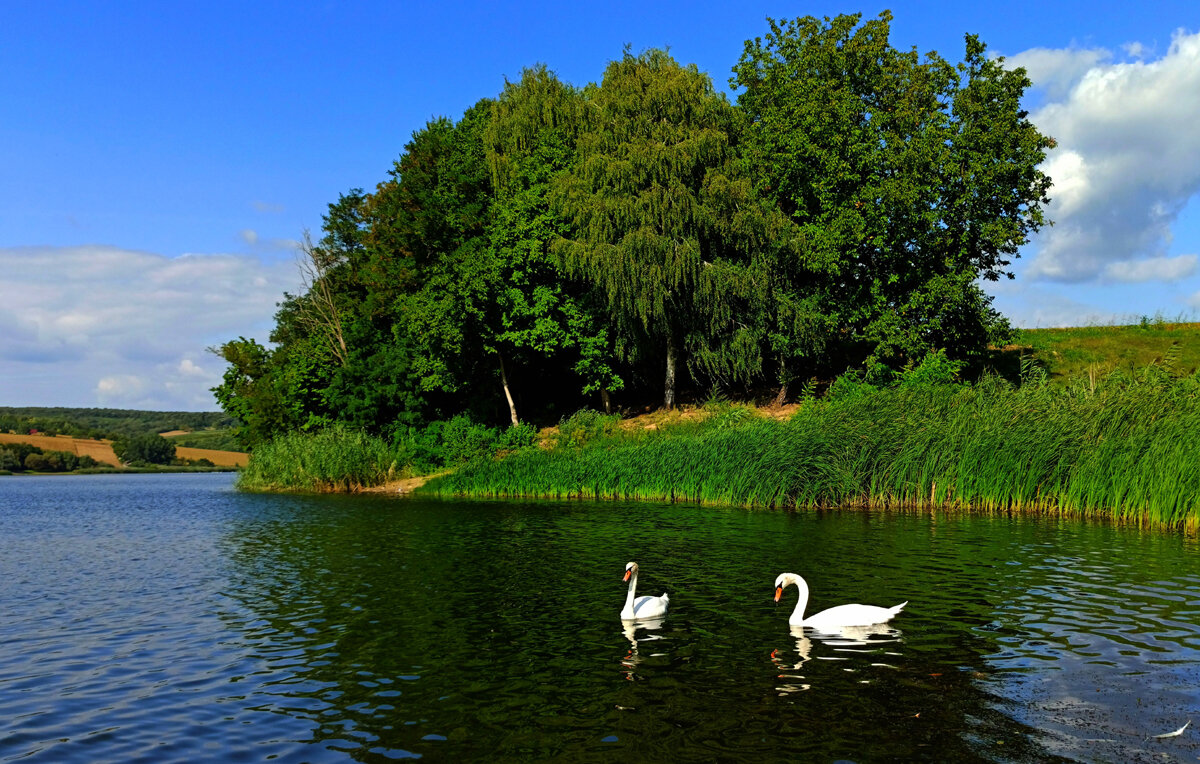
(94, 325)
(1151, 269)
(1057, 70)
(1127, 162)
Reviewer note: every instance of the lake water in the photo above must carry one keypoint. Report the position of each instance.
(170, 618)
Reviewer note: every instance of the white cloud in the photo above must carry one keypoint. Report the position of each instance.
(1136, 50)
(1152, 269)
(1127, 162)
(1057, 70)
(188, 368)
(120, 390)
(95, 325)
(251, 238)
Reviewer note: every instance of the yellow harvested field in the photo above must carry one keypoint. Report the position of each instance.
(219, 458)
(173, 433)
(100, 450)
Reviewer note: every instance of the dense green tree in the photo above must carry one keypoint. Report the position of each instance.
(249, 392)
(655, 170)
(150, 448)
(10, 461)
(536, 316)
(908, 181)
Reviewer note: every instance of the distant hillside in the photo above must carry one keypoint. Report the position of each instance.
(107, 423)
(221, 440)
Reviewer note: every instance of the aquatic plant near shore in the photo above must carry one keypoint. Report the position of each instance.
(1123, 447)
(335, 459)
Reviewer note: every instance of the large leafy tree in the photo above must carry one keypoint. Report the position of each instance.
(647, 202)
(538, 317)
(908, 180)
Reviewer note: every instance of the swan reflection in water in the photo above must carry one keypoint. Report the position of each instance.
(862, 640)
(634, 657)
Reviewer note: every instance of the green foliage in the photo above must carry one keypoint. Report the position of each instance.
(19, 457)
(907, 178)
(9, 461)
(463, 440)
(217, 440)
(934, 369)
(651, 206)
(516, 437)
(1121, 448)
(338, 458)
(144, 449)
(849, 386)
(105, 423)
(334, 459)
(586, 426)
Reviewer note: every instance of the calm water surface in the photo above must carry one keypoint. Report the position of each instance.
(169, 618)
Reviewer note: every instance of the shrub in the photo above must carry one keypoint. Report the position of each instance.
(586, 426)
(9, 460)
(934, 369)
(464, 440)
(333, 459)
(151, 449)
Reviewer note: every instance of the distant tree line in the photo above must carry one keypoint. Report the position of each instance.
(618, 243)
(106, 423)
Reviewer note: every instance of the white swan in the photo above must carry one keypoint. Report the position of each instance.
(642, 607)
(835, 617)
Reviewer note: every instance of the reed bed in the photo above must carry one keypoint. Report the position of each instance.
(333, 460)
(1127, 447)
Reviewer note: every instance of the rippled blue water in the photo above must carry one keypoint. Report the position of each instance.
(169, 618)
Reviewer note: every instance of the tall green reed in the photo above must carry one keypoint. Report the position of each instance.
(334, 459)
(1124, 447)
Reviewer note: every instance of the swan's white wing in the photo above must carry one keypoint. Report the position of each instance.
(650, 607)
(851, 615)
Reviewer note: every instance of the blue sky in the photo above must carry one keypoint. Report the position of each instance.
(160, 160)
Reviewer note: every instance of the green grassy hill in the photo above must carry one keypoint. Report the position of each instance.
(1099, 350)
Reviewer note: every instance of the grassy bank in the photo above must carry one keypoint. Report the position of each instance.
(1124, 446)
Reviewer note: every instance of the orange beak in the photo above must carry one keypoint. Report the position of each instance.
(778, 592)
(626, 578)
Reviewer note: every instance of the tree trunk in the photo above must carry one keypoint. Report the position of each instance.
(604, 396)
(781, 397)
(512, 407)
(669, 397)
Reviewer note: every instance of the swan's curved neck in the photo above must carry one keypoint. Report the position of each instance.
(801, 603)
(632, 587)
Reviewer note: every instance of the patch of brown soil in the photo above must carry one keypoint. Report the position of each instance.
(407, 485)
(173, 433)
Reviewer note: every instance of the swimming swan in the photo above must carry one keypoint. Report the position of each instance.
(642, 607)
(835, 617)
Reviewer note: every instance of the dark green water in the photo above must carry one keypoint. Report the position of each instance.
(168, 618)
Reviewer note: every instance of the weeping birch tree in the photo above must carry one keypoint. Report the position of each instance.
(536, 315)
(645, 202)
